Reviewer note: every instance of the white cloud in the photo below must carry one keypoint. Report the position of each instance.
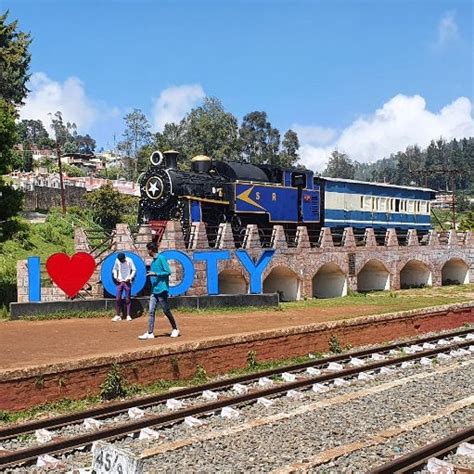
(174, 102)
(314, 135)
(402, 121)
(447, 29)
(48, 96)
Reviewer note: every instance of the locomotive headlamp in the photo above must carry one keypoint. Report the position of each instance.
(156, 158)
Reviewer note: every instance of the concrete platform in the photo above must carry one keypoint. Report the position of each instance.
(44, 361)
(140, 305)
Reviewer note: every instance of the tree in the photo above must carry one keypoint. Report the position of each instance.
(8, 136)
(14, 62)
(107, 205)
(210, 130)
(259, 141)
(62, 134)
(339, 166)
(85, 144)
(34, 133)
(136, 135)
(290, 145)
(467, 221)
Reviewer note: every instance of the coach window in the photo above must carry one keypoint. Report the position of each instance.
(367, 203)
(427, 207)
(397, 205)
(362, 202)
(383, 204)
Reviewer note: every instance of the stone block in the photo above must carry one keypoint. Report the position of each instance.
(369, 238)
(348, 238)
(302, 238)
(391, 239)
(325, 238)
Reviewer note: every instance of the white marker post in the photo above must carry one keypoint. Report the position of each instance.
(107, 459)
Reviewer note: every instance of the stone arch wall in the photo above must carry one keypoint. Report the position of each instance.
(329, 281)
(284, 281)
(232, 282)
(455, 271)
(301, 262)
(416, 273)
(373, 275)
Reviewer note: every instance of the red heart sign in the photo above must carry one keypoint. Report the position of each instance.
(70, 274)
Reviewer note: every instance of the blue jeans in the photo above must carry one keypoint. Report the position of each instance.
(161, 298)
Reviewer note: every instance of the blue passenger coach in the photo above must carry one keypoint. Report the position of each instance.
(359, 204)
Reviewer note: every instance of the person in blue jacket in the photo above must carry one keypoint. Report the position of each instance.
(159, 276)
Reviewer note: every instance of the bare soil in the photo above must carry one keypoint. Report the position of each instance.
(26, 344)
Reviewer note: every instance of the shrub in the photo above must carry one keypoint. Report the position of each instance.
(114, 385)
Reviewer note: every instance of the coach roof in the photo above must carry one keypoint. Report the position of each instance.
(368, 183)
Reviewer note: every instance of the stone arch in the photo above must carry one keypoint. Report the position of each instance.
(373, 276)
(283, 281)
(232, 282)
(415, 273)
(455, 272)
(329, 282)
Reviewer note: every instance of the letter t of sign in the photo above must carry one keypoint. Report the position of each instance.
(255, 270)
(211, 258)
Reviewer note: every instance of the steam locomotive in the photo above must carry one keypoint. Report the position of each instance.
(242, 193)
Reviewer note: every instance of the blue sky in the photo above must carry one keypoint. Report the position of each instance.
(334, 70)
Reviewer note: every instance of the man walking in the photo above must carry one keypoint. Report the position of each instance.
(159, 276)
(123, 272)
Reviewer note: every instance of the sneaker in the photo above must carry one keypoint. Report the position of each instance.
(147, 335)
(174, 333)
(116, 318)
(129, 318)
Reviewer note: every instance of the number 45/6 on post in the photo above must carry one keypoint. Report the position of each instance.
(107, 459)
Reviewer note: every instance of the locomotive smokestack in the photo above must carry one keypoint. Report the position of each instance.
(201, 164)
(171, 158)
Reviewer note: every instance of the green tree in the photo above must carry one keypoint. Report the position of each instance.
(34, 133)
(467, 221)
(290, 146)
(107, 206)
(12, 202)
(14, 61)
(339, 166)
(136, 135)
(209, 130)
(85, 144)
(259, 141)
(8, 136)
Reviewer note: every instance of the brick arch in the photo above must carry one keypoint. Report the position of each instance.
(329, 281)
(455, 271)
(313, 265)
(419, 258)
(373, 275)
(362, 263)
(284, 280)
(412, 274)
(279, 262)
(455, 254)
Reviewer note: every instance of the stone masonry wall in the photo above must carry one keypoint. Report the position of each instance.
(298, 264)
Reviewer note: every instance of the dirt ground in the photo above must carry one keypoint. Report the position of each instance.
(32, 343)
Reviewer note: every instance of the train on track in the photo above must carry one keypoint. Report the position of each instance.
(242, 193)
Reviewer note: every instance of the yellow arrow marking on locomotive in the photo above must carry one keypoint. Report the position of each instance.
(245, 196)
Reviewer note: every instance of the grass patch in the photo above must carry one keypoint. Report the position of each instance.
(68, 315)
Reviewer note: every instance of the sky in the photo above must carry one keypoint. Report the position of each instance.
(365, 77)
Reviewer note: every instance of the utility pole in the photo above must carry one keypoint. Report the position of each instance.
(61, 182)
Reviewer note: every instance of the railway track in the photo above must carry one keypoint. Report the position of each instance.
(416, 460)
(252, 387)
